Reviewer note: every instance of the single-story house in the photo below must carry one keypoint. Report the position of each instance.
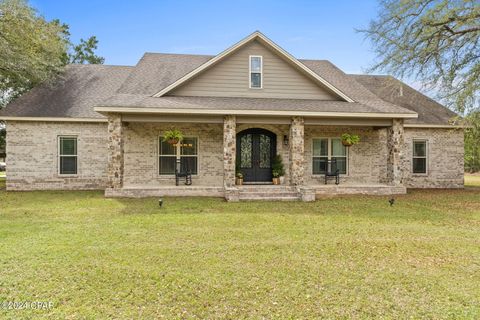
(101, 127)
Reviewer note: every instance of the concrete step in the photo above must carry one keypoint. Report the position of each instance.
(270, 198)
(268, 194)
(266, 189)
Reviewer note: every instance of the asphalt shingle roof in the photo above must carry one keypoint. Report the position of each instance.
(82, 87)
(232, 103)
(72, 95)
(395, 91)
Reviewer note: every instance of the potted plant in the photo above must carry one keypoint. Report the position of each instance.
(350, 139)
(276, 177)
(173, 136)
(277, 165)
(239, 180)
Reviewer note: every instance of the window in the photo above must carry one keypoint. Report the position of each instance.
(67, 155)
(256, 70)
(328, 149)
(419, 160)
(168, 156)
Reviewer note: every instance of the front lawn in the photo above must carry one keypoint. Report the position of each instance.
(472, 180)
(347, 257)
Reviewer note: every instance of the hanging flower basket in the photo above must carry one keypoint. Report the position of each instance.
(172, 141)
(350, 139)
(173, 136)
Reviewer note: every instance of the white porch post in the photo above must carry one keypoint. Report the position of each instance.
(229, 150)
(115, 151)
(395, 145)
(297, 151)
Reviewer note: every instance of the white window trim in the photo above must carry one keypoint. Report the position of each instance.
(59, 156)
(426, 157)
(159, 146)
(329, 156)
(250, 71)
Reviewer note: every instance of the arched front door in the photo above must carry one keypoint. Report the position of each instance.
(255, 151)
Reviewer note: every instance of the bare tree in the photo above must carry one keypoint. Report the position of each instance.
(435, 42)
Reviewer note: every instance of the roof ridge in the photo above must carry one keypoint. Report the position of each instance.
(81, 65)
(371, 75)
(177, 54)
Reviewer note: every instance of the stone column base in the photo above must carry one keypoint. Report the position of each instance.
(306, 194)
(232, 194)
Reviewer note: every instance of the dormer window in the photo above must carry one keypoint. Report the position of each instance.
(256, 70)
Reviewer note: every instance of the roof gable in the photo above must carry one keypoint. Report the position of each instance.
(258, 38)
(230, 78)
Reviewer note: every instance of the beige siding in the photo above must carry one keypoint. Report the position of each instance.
(230, 78)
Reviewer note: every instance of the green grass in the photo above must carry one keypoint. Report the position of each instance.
(346, 257)
(472, 180)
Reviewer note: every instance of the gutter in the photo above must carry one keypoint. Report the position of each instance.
(256, 112)
(52, 119)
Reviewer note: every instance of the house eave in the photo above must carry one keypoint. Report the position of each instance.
(51, 119)
(433, 126)
(139, 110)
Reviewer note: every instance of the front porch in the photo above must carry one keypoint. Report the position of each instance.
(137, 167)
(255, 192)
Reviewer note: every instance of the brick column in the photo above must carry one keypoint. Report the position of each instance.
(395, 145)
(297, 151)
(115, 151)
(229, 150)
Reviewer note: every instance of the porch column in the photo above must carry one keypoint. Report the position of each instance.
(115, 151)
(297, 150)
(229, 150)
(395, 145)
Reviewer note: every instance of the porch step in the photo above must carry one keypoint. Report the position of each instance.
(268, 193)
(266, 188)
(269, 198)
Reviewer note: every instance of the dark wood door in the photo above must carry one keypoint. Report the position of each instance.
(255, 152)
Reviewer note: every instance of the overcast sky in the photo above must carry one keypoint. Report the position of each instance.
(306, 29)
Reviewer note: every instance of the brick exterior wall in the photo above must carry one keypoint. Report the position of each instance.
(367, 161)
(32, 156)
(141, 153)
(445, 167)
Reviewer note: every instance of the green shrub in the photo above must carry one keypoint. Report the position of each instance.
(277, 166)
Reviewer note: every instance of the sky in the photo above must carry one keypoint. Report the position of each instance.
(323, 29)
